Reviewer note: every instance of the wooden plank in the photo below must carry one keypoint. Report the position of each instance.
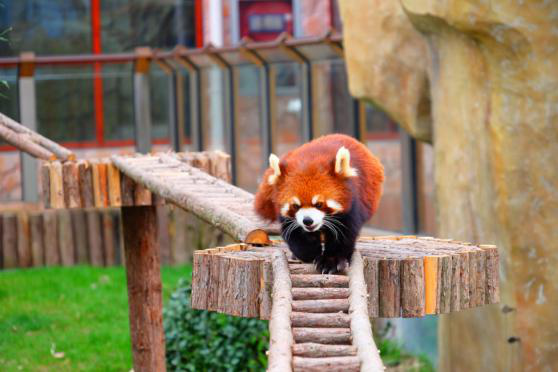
(371, 278)
(492, 274)
(144, 288)
(431, 284)
(66, 238)
(414, 278)
(103, 183)
(37, 239)
(109, 243)
(70, 179)
(114, 186)
(23, 240)
(127, 189)
(95, 176)
(444, 287)
(480, 290)
(52, 253)
(85, 176)
(390, 291)
(9, 241)
(56, 185)
(201, 280)
(455, 282)
(95, 236)
(80, 233)
(45, 184)
(464, 282)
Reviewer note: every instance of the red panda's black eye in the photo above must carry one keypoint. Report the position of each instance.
(296, 207)
(319, 205)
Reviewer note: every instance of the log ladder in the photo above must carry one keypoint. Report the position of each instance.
(320, 322)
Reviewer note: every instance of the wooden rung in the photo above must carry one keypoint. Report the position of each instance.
(346, 364)
(320, 293)
(321, 306)
(302, 269)
(335, 320)
(314, 350)
(317, 280)
(322, 335)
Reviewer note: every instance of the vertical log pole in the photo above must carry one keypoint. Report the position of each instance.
(144, 288)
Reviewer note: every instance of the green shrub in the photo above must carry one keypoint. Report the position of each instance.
(199, 340)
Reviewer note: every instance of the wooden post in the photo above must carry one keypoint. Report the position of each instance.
(37, 239)
(9, 241)
(144, 288)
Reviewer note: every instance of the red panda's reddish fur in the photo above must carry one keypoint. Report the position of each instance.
(309, 170)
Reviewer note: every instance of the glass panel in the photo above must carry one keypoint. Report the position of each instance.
(184, 79)
(425, 175)
(65, 103)
(287, 103)
(127, 24)
(382, 138)
(250, 163)
(46, 26)
(214, 134)
(160, 100)
(8, 93)
(118, 102)
(332, 104)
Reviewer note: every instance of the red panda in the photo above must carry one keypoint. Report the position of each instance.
(322, 193)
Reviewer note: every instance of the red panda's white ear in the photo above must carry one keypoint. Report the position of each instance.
(274, 164)
(343, 163)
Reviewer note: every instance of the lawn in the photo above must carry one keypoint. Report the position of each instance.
(68, 319)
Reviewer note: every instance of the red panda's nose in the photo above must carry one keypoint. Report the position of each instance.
(307, 221)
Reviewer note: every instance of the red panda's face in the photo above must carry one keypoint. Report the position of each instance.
(311, 196)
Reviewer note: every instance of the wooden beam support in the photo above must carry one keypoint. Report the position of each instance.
(144, 288)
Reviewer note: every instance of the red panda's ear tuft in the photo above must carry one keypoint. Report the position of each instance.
(343, 163)
(276, 169)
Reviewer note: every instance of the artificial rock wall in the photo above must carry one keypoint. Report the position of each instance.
(478, 79)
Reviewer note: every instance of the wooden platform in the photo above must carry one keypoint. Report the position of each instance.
(405, 276)
(98, 183)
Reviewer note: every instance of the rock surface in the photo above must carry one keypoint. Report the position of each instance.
(386, 59)
(493, 78)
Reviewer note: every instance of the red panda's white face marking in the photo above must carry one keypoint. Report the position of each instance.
(335, 206)
(294, 202)
(310, 219)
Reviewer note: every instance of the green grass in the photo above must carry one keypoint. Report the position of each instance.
(79, 311)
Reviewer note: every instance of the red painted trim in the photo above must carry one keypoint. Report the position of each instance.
(98, 71)
(198, 22)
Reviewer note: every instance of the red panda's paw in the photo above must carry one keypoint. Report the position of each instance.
(331, 264)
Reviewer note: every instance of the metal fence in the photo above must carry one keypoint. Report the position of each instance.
(249, 100)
